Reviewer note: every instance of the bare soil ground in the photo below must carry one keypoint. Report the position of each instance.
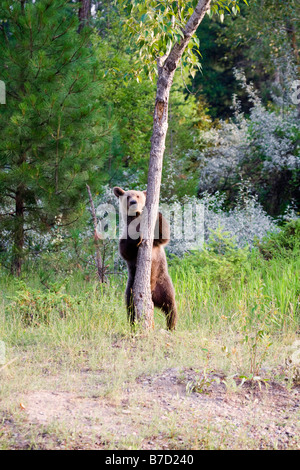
(171, 410)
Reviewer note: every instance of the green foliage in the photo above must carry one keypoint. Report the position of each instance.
(202, 382)
(236, 322)
(255, 327)
(155, 26)
(285, 243)
(52, 125)
(220, 261)
(128, 107)
(35, 306)
(67, 307)
(261, 40)
(216, 84)
(78, 110)
(187, 117)
(241, 286)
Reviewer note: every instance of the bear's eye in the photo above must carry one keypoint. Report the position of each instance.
(138, 196)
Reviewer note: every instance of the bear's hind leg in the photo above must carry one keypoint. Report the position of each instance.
(128, 294)
(171, 315)
(130, 306)
(163, 297)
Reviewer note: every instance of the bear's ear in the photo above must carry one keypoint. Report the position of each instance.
(118, 191)
(145, 192)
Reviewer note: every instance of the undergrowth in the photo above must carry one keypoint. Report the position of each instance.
(234, 304)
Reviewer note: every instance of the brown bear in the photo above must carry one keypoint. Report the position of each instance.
(132, 204)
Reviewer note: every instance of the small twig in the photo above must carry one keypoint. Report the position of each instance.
(8, 363)
(99, 264)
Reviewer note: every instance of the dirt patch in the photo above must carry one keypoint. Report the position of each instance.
(267, 416)
(175, 410)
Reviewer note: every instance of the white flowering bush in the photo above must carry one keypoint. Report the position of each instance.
(263, 147)
(66, 249)
(245, 223)
(225, 149)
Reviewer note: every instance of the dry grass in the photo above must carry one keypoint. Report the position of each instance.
(80, 379)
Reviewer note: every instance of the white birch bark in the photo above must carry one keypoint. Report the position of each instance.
(166, 69)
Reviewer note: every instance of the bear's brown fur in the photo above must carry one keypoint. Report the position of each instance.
(163, 294)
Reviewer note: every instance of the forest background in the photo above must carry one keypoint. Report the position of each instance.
(78, 111)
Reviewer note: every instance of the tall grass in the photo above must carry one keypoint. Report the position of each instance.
(228, 300)
(202, 298)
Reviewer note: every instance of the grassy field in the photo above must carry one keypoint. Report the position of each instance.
(75, 376)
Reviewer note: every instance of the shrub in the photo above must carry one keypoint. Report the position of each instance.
(246, 222)
(262, 147)
(285, 243)
(221, 261)
(36, 306)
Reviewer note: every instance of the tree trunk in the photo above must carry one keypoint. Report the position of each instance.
(166, 69)
(84, 13)
(19, 232)
(291, 32)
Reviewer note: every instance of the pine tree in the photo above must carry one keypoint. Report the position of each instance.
(84, 13)
(51, 124)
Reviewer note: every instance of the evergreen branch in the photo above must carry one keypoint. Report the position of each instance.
(69, 92)
(64, 32)
(70, 61)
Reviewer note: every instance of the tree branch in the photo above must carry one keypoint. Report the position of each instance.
(99, 264)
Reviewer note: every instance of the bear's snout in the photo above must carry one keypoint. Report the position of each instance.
(132, 202)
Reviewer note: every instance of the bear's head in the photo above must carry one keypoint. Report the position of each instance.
(132, 202)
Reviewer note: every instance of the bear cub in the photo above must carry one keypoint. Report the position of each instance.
(163, 295)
